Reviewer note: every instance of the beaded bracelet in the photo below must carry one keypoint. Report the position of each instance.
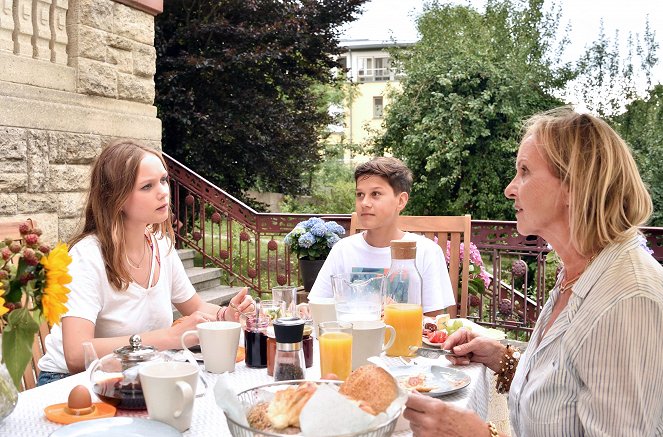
(508, 365)
(223, 316)
(493, 430)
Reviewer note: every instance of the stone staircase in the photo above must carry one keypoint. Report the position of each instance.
(206, 281)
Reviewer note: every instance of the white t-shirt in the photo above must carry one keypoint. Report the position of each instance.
(353, 253)
(117, 313)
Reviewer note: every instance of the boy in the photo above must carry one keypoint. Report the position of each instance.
(382, 191)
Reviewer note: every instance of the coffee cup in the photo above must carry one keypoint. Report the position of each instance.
(322, 310)
(169, 389)
(368, 340)
(218, 344)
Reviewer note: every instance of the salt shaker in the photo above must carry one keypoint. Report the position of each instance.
(289, 360)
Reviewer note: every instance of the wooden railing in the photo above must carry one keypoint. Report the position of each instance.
(248, 246)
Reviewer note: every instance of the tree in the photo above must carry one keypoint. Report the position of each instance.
(642, 128)
(236, 86)
(470, 81)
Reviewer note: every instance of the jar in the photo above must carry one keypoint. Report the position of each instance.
(255, 341)
(271, 350)
(307, 345)
(289, 362)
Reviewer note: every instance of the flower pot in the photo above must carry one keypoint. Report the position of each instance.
(308, 270)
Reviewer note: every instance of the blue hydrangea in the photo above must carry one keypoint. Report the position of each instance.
(319, 230)
(306, 240)
(335, 228)
(314, 221)
(332, 239)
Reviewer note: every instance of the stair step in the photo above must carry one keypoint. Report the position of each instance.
(187, 255)
(204, 279)
(219, 295)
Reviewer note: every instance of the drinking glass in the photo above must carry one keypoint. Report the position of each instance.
(336, 348)
(288, 295)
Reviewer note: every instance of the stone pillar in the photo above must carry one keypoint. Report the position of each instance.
(41, 39)
(6, 25)
(23, 28)
(58, 25)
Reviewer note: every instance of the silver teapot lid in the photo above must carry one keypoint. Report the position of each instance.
(136, 352)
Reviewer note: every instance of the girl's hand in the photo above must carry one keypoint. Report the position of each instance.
(188, 323)
(243, 302)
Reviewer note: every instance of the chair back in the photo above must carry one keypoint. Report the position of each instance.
(456, 230)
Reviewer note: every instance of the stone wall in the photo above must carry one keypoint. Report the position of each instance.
(74, 74)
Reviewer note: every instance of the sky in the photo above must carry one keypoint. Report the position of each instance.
(385, 18)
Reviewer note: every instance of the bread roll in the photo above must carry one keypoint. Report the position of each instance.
(372, 385)
(284, 409)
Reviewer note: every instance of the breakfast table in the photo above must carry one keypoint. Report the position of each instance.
(28, 418)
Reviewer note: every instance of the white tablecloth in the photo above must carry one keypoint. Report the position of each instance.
(208, 420)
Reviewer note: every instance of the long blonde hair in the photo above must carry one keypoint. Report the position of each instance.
(112, 180)
(607, 197)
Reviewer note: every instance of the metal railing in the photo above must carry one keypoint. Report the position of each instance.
(248, 246)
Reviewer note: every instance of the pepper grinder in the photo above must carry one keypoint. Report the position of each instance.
(289, 360)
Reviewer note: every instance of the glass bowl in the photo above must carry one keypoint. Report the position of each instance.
(255, 395)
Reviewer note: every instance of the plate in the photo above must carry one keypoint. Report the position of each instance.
(117, 427)
(441, 380)
(57, 413)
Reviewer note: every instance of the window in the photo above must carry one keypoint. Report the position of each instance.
(378, 107)
(374, 69)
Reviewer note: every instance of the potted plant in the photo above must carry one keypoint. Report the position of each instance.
(33, 280)
(311, 240)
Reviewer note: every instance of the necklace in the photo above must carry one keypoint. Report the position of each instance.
(567, 285)
(139, 262)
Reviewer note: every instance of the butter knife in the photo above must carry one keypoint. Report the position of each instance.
(427, 352)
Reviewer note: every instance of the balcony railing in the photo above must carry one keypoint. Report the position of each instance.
(248, 246)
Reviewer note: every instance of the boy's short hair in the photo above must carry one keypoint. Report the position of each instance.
(397, 174)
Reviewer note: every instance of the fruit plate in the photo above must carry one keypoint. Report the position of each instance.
(435, 381)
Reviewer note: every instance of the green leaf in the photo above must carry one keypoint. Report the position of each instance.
(17, 342)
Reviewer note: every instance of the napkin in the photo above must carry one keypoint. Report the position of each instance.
(329, 413)
(226, 399)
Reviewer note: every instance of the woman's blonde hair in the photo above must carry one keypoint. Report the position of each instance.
(112, 180)
(607, 198)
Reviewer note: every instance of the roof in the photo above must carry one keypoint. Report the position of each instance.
(367, 44)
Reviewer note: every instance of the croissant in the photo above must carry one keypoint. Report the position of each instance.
(284, 409)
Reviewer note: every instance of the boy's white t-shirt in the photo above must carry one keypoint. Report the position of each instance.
(353, 254)
(117, 313)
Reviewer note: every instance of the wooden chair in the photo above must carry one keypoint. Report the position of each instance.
(9, 228)
(446, 228)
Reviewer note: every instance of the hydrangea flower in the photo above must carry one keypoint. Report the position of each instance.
(312, 239)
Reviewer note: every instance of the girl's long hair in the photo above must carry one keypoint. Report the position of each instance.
(112, 180)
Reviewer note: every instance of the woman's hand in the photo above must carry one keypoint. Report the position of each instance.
(430, 417)
(188, 323)
(241, 301)
(469, 347)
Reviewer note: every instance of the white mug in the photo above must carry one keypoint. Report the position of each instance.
(218, 344)
(368, 340)
(169, 389)
(322, 310)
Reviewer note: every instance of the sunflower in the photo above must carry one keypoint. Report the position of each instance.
(55, 293)
(3, 309)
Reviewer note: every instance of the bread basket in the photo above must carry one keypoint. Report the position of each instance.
(253, 396)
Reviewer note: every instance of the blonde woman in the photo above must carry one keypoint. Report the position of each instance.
(125, 272)
(594, 363)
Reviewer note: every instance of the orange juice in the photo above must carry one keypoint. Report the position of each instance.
(336, 354)
(406, 318)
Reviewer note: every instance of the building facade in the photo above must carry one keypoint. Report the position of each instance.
(74, 74)
(374, 78)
